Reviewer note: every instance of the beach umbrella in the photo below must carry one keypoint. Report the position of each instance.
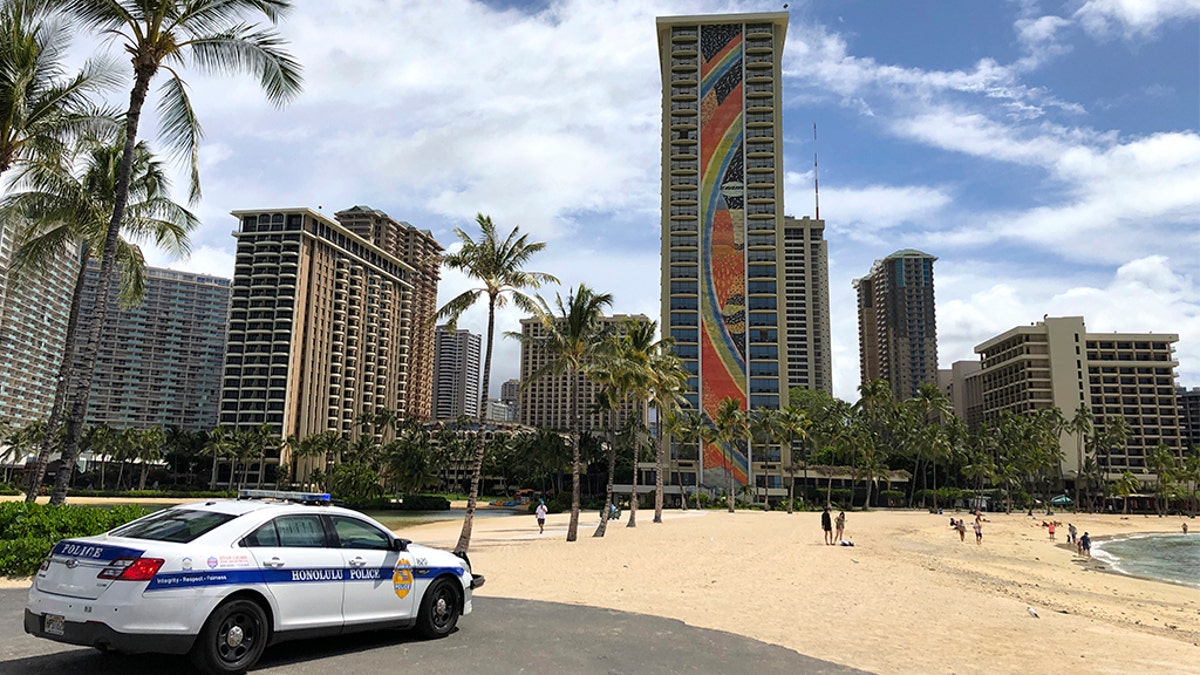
(1061, 500)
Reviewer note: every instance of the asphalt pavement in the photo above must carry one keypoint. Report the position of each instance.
(501, 636)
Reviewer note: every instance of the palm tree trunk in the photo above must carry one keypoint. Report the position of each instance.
(91, 349)
(612, 467)
(464, 537)
(660, 464)
(729, 496)
(103, 463)
(633, 494)
(65, 368)
(573, 523)
(142, 479)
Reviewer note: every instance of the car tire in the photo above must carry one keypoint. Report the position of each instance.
(232, 639)
(439, 610)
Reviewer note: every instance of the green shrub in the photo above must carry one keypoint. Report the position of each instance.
(425, 503)
(29, 531)
(6, 489)
(841, 496)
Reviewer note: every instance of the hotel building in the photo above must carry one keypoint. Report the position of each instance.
(456, 374)
(1057, 363)
(160, 361)
(725, 256)
(897, 323)
(319, 329)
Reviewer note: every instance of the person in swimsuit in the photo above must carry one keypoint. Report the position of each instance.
(962, 529)
(978, 530)
(1085, 544)
(841, 525)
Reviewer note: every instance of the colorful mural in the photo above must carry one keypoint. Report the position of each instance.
(723, 233)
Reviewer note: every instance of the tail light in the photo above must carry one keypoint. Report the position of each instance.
(131, 569)
(46, 563)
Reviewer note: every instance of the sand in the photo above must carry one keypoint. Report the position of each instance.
(909, 597)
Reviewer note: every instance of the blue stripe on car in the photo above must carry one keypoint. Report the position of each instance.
(89, 551)
(303, 575)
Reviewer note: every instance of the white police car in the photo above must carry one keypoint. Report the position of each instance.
(222, 579)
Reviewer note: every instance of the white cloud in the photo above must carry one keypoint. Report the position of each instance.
(1133, 18)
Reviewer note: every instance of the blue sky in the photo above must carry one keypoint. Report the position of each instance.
(1047, 152)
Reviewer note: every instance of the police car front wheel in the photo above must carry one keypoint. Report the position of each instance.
(233, 638)
(439, 609)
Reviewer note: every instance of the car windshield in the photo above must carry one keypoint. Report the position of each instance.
(177, 525)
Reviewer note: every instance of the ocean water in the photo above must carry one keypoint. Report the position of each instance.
(1170, 557)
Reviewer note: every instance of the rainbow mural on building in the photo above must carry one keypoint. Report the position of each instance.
(722, 236)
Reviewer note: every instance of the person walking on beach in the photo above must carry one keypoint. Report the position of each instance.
(1071, 532)
(541, 516)
(978, 530)
(1051, 528)
(827, 525)
(1085, 545)
(962, 529)
(841, 525)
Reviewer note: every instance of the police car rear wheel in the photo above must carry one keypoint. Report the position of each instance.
(233, 638)
(439, 610)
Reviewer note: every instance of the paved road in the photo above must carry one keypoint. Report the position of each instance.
(502, 636)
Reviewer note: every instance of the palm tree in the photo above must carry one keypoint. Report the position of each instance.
(572, 338)
(790, 424)
(762, 424)
(210, 36)
(686, 428)
(1161, 462)
(56, 211)
(667, 383)
(41, 107)
(1080, 425)
(731, 426)
(148, 446)
(1126, 484)
(220, 444)
(499, 264)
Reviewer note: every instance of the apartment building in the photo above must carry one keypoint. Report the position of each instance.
(1057, 363)
(34, 310)
(456, 373)
(897, 323)
(806, 304)
(160, 361)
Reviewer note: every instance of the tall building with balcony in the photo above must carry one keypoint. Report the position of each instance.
(160, 361)
(456, 373)
(1057, 363)
(897, 323)
(420, 251)
(33, 330)
(319, 328)
(546, 401)
(722, 222)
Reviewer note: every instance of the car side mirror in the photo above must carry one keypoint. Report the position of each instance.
(400, 544)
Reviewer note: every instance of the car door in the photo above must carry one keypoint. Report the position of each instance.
(300, 568)
(379, 581)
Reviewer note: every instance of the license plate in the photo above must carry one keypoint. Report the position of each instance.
(53, 624)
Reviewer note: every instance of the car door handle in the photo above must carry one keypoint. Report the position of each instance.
(358, 562)
(273, 562)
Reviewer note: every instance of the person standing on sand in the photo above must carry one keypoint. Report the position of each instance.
(1085, 545)
(827, 525)
(1071, 532)
(841, 525)
(962, 529)
(978, 530)
(541, 516)
(1051, 528)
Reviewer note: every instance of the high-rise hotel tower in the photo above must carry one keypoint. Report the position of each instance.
(723, 299)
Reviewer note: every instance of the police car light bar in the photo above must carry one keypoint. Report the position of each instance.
(303, 497)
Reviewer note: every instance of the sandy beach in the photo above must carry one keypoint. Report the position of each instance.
(909, 597)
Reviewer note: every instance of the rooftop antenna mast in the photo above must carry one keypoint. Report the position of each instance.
(816, 185)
